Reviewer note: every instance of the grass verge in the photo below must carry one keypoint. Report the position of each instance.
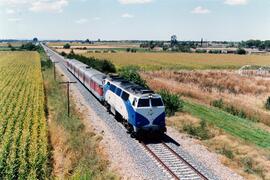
(76, 147)
(238, 127)
(246, 159)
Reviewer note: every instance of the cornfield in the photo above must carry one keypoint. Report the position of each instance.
(23, 127)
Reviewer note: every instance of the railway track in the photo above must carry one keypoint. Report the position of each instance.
(174, 164)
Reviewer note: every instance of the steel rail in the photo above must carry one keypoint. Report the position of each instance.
(183, 160)
(160, 161)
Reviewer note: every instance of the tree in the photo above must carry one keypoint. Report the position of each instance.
(152, 45)
(165, 47)
(173, 102)
(267, 44)
(133, 50)
(66, 46)
(29, 47)
(253, 43)
(241, 51)
(88, 41)
(131, 73)
(63, 53)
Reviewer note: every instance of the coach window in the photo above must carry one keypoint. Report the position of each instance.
(118, 92)
(125, 96)
(112, 88)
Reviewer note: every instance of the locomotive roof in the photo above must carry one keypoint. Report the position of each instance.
(130, 86)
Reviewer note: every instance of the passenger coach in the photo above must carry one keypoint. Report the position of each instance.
(91, 78)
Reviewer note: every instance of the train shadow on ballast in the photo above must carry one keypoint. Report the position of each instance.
(157, 138)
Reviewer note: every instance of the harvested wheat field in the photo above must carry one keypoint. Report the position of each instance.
(247, 94)
(156, 61)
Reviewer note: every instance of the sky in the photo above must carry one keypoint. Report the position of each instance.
(230, 20)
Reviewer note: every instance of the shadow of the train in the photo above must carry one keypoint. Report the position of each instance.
(156, 139)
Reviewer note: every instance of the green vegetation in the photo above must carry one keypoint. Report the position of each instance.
(66, 46)
(230, 109)
(214, 51)
(30, 47)
(249, 167)
(256, 44)
(236, 126)
(201, 51)
(227, 152)
(132, 50)
(267, 103)
(63, 53)
(24, 149)
(102, 65)
(82, 144)
(131, 73)
(200, 132)
(241, 51)
(183, 46)
(172, 102)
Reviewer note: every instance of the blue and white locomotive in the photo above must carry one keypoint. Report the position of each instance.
(140, 109)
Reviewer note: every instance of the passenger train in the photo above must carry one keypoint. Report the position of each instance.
(140, 109)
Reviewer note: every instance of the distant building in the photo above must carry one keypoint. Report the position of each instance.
(158, 49)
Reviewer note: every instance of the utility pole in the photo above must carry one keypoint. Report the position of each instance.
(54, 72)
(67, 83)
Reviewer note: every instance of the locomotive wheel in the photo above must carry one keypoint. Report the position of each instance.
(133, 135)
(108, 107)
(118, 116)
(130, 129)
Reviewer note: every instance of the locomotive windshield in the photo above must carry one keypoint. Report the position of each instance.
(144, 103)
(156, 102)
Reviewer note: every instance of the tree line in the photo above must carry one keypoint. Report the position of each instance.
(261, 45)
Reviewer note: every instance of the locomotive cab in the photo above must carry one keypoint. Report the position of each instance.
(150, 108)
(141, 108)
